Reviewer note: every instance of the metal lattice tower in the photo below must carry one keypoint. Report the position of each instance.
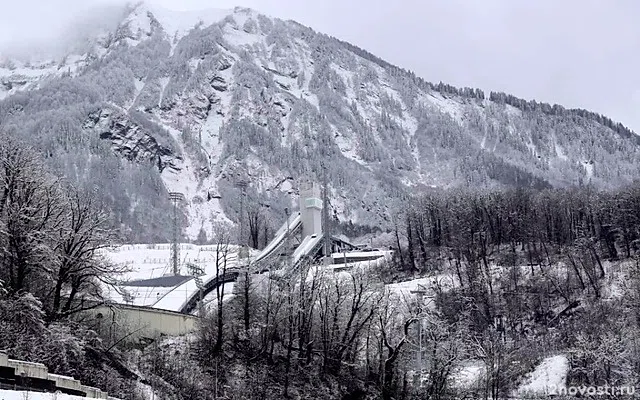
(197, 272)
(175, 198)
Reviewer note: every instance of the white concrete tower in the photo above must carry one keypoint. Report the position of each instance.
(310, 209)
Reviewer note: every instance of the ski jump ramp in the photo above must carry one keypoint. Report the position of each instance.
(292, 225)
(211, 281)
(183, 295)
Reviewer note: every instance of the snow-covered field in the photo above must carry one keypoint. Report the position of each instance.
(153, 261)
(548, 377)
(147, 261)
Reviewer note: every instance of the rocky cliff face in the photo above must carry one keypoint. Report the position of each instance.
(215, 99)
(129, 139)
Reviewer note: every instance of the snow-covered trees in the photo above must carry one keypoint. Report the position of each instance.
(78, 268)
(533, 271)
(279, 94)
(594, 224)
(50, 234)
(22, 322)
(29, 210)
(50, 269)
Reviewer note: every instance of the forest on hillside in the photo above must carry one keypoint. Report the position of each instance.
(515, 276)
(141, 112)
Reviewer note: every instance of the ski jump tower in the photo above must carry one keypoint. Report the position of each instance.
(310, 224)
(310, 209)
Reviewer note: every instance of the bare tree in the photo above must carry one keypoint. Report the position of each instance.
(496, 353)
(214, 323)
(256, 221)
(222, 239)
(346, 308)
(79, 270)
(30, 209)
(51, 234)
(390, 317)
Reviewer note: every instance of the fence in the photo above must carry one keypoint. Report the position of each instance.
(35, 377)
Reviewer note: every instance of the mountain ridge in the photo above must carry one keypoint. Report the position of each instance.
(253, 98)
(523, 104)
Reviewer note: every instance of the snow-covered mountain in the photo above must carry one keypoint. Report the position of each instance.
(201, 102)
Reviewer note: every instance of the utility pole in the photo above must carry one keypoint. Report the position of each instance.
(175, 198)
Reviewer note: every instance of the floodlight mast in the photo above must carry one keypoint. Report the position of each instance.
(325, 215)
(175, 198)
(243, 192)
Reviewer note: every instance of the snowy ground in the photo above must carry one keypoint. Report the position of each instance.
(469, 375)
(22, 395)
(153, 261)
(548, 377)
(148, 261)
(210, 301)
(425, 285)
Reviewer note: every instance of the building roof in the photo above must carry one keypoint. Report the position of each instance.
(163, 281)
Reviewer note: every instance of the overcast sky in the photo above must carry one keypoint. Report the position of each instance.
(579, 53)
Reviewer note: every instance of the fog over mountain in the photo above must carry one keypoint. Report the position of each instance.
(576, 53)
